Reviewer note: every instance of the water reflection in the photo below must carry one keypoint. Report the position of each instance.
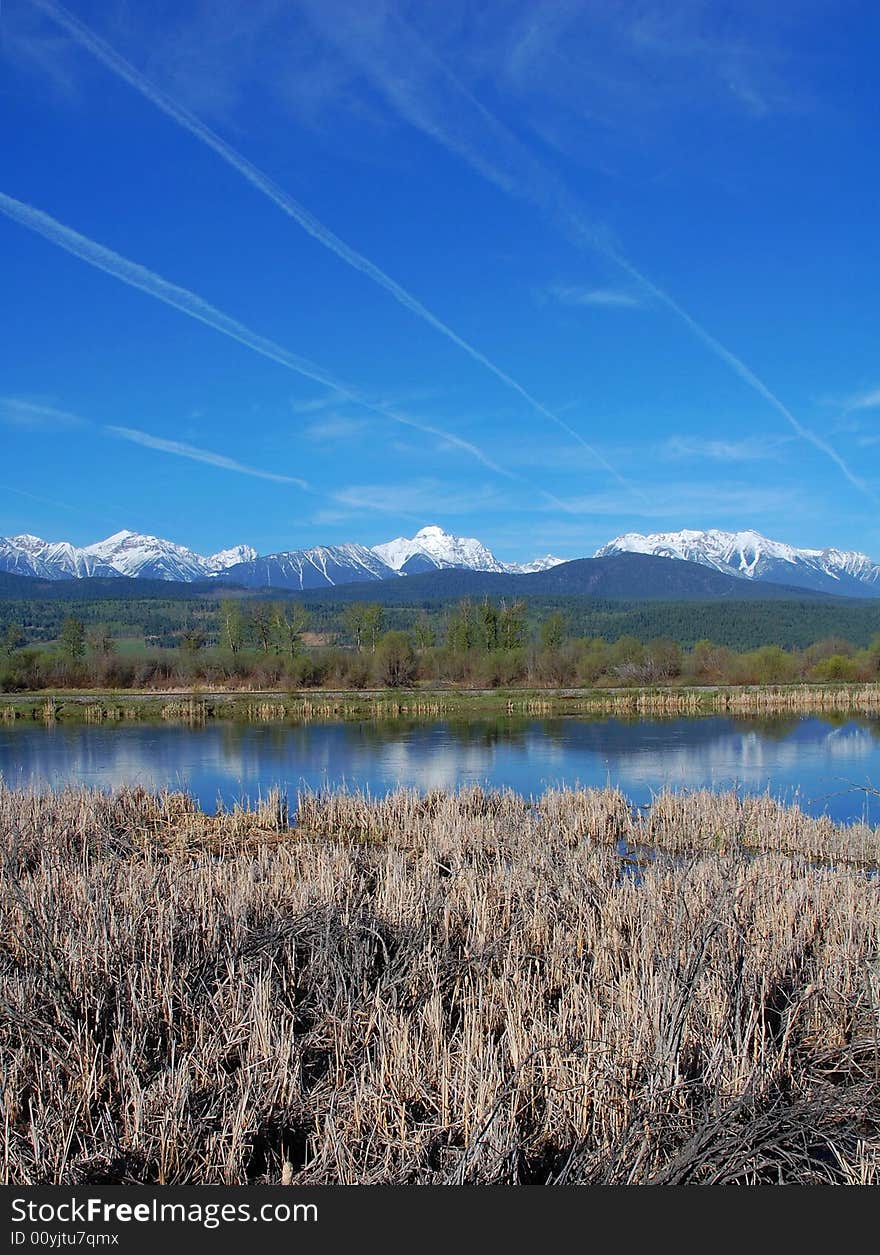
(813, 759)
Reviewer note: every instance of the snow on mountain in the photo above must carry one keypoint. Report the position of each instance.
(751, 556)
(231, 557)
(537, 564)
(123, 553)
(149, 557)
(440, 548)
(48, 560)
(321, 567)
(745, 554)
(434, 549)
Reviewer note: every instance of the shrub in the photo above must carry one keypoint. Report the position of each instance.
(395, 660)
(304, 672)
(836, 667)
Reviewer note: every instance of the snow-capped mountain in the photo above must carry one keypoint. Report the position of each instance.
(321, 567)
(149, 557)
(537, 564)
(123, 553)
(437, 549)
(433, 549)
(49, 560)
(231, 557)
(747, 555)
(752, 556)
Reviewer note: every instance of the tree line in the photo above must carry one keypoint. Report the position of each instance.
(480, 644)
(741, 626)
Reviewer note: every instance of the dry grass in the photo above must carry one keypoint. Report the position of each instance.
(757, 700)
(194, 708)
(466, 988)
(192, 712)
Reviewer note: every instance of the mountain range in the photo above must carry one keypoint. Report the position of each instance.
(618, 577)
(751, 556)
(745, 557)
(123, 553)
(150, 557)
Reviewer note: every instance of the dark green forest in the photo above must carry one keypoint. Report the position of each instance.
(162, 622)
(300, 643)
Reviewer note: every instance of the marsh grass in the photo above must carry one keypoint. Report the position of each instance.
(195, 708)
(192, 712)
(436, 988)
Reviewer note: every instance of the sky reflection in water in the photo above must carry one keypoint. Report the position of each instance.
(817, 761)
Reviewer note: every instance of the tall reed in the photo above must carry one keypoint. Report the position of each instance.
(470, 988)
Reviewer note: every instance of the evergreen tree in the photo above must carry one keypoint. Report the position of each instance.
(553, 632)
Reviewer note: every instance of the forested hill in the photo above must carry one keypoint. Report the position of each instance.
(735, 624)
(621, 577)
(102, 588)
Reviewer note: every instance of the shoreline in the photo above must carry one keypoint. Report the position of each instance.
(201, 705)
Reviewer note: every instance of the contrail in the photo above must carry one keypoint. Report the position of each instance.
(182, 450)
(60, 505)
(36, 414)
(137, 276)
(740, 368)
(109, 57)
(23, 413)
(518, 172)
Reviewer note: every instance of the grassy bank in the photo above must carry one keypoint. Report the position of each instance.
(199, 706)
(465, 988)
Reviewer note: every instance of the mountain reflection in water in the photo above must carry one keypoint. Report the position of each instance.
(821, 762)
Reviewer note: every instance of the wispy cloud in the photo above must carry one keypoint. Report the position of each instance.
(429, 96)
(615, 63)
(317, 405)
(39, 417)
(182, 450)
(419, 499)
(847, 421)
(25, 41)
(747, 375)
(686, 503)
(749, 449)
(56, 504)
(864, 401)
(35, 416)
(195, 306)
(315, 228)
(602, 298)
(334, 429)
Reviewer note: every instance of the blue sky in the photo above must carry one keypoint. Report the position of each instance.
(539, 272)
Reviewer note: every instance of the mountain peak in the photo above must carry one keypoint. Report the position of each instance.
(231, 557)
(433, 548)
(124, 553)
(749, 555)
(745, 554)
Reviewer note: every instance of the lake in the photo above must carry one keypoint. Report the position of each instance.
(822, 763)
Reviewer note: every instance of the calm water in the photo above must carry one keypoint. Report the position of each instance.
(819, 762)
